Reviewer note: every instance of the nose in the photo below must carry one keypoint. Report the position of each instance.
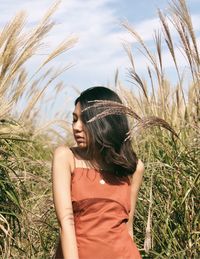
(78, 126)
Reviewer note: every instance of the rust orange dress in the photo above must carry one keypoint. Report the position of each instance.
(101, 207)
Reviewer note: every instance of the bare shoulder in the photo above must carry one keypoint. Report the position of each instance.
(137, 176)
(62, 150)
(63, 154)
(140, 167)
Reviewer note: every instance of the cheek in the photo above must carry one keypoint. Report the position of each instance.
(86, 133)
(73, 128)
(84, 129)
(88, 137)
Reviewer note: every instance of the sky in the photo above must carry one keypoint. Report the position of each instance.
(98, 26)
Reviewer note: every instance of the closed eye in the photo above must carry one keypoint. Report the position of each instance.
(75, 118)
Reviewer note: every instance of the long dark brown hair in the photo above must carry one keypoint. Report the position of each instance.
(108, 144)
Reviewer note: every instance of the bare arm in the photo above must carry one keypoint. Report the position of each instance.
(135, 187)
(61, 179)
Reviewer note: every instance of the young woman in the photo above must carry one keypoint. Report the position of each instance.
(96, 183)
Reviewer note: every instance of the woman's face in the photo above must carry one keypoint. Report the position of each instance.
(78, 127)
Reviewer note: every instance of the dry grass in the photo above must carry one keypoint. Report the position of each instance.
(107, 108)
(26, 207)
(171, 107)
(167, 209)
(17, 47)
(177, 158)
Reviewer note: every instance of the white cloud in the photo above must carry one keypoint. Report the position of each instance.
(99, 50)
(196, 22)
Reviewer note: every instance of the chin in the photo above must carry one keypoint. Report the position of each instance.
(81, 145)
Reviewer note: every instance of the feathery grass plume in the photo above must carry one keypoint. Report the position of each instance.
(5, 107)
(37, 94)
(148, 241)
(129, 53)
(152, 121)
(153, 96)
(17, 47)
(132, 101)
(9, 45)
(157, 66)
(178, 17)
(168, 40)
(157, 39)
(144, 50)
(111, 107)
(28, 47)
(184, 26)
(64, 46)
(137, 80)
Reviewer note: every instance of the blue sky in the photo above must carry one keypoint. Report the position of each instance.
(97, 24)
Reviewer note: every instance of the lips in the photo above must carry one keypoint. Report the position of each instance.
(79, 138)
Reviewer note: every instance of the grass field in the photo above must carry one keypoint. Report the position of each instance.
(166, 138)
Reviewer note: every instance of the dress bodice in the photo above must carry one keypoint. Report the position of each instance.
(101, 209)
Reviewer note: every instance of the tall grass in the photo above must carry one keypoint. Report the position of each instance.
(169, 196)
(26, 221)
(167, 216)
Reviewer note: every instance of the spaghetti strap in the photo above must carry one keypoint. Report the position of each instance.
(74, 158)
(78, 161)
(75, 162)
